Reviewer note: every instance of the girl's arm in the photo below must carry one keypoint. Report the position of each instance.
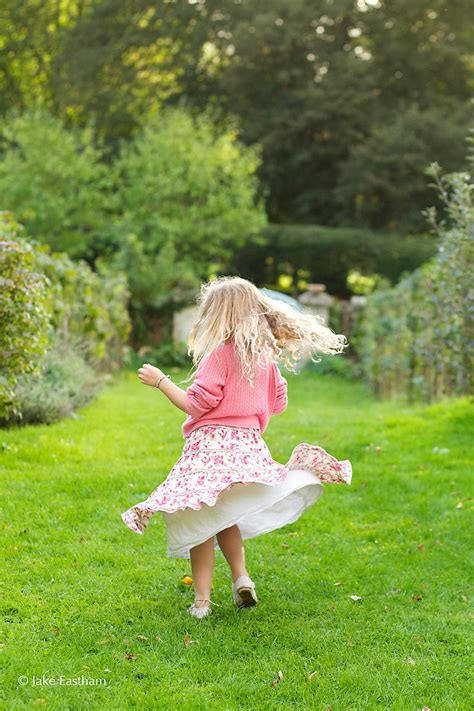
(202, 396)
(149, 375)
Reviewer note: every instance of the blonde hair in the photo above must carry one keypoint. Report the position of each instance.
(263, 329)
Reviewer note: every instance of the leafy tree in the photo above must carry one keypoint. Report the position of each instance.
(314, 82)
(188, 197)
(55, 182)
(318, 85)
(381, 183)
(122, 60)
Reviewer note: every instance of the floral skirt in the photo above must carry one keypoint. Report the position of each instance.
(225, 476)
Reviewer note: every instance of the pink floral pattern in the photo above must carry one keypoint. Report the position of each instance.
(215, 457)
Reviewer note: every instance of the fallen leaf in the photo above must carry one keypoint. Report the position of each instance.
(187, 640)
(355, 598)
(417, 598)
(129, 655)
(142, 637)
(459, 505)
(426, 708)
(292, 534)
(82, 539)
(276, 681)
(311, 676)
(411, 661)
(285, 545)
(336, 585)
(421, 546)
(54, 630)
(40, 701)
(187, 580)
(158, 638)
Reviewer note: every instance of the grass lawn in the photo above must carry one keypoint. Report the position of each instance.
(83, 595)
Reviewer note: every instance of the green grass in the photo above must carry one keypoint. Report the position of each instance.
(80, 588)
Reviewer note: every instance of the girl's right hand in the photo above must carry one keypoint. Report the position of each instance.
(149, 375)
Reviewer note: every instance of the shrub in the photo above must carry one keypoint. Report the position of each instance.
(24, 313)
(51, 305)
(66, 382)
(338, 365)
(417, 339)
(87, 308)
(163, 356)
(328, 255)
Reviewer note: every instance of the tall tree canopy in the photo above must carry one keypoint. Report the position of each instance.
(350, 99)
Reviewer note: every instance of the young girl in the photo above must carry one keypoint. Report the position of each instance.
(225, 487)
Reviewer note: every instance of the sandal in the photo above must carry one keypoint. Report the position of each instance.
(244, 592)
(200, 612)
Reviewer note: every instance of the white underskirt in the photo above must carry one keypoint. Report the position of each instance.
(256, 508)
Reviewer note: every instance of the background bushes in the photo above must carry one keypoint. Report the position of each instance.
(24, 313)
(62, 326)
(327, 255)
(417, 340)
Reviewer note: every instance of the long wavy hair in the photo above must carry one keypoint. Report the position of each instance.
(232, 309)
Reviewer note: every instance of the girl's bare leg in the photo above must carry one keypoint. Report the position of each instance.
(230, 543)
(202, 564)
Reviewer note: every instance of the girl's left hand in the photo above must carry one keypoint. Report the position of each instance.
(149, 375)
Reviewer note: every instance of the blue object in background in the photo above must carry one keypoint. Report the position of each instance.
(289, 300)
(283, 297)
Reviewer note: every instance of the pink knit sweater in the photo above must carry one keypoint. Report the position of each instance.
(221, 395)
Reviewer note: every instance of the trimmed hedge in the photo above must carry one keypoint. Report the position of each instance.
(327, 254)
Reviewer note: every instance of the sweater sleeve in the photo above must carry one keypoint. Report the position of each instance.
(281, 400)
(206, 392)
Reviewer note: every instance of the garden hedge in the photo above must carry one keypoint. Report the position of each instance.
(48, 302)
(417, 340)
(327, 254)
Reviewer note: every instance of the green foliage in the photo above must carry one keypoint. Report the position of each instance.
(349, 100)
(328, 255)
(417, 339)
(164, 356)
(55, 182)
(387, 168)
(89, 309)
(65, 382)
(24, 313)
(187, 193)
(339, 365)
(52, 305)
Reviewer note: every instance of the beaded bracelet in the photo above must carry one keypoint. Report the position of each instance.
(162, 378)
